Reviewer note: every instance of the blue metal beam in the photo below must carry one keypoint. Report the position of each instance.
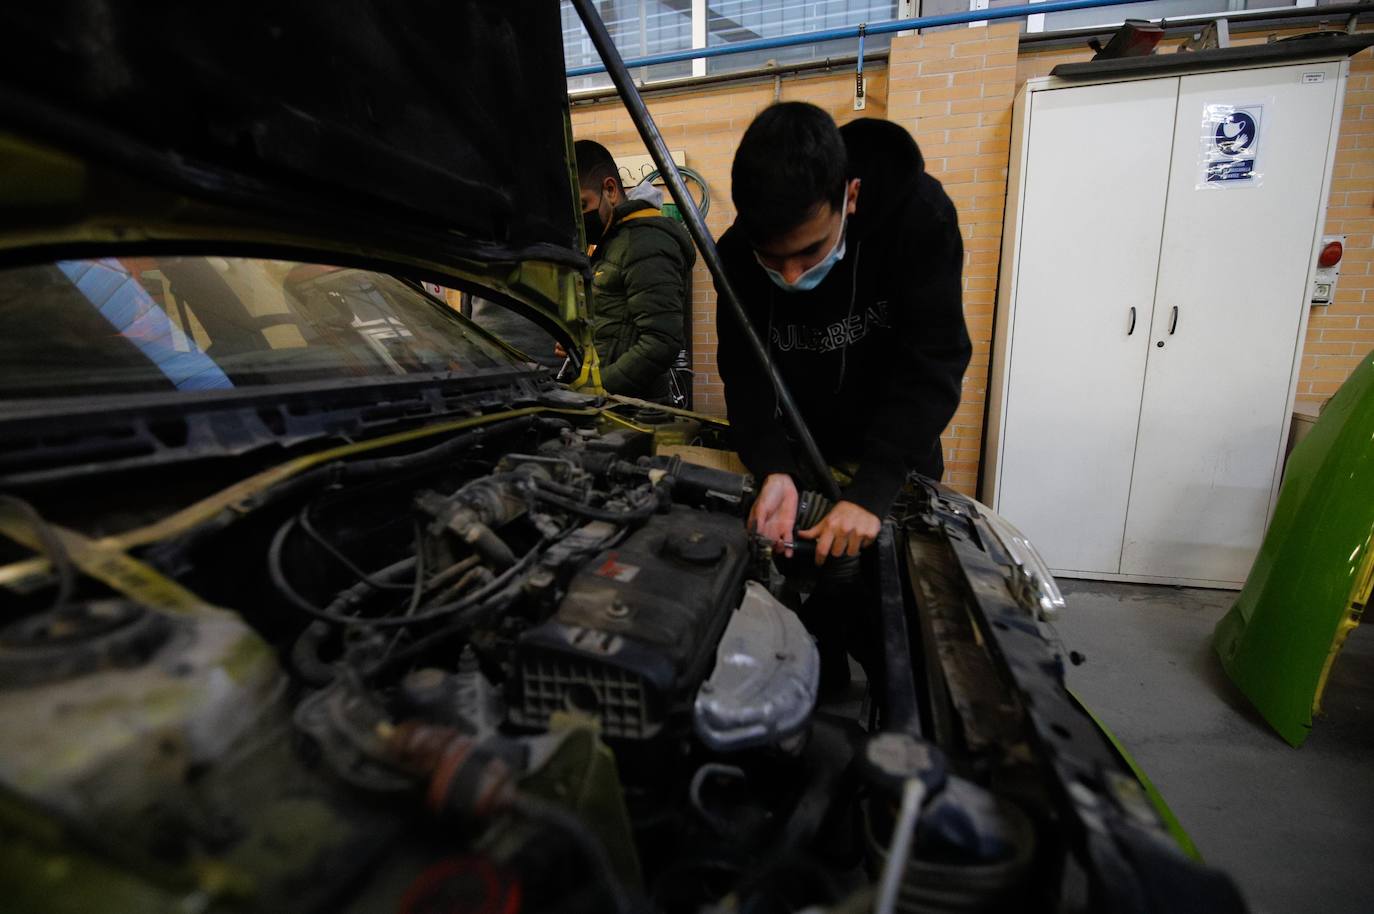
(874, 28)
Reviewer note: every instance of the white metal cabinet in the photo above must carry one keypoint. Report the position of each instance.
(1120, 458)
(1080, 346)
(1229, 302)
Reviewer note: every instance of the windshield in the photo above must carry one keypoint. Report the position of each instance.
(143, 324)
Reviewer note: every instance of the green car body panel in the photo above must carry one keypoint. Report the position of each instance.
(1311, 580)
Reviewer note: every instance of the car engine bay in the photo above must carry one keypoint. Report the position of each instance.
(540, 665)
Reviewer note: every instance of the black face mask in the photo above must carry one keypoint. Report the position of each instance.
(592, 224)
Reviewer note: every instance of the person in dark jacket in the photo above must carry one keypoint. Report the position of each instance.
(641, 261)
(847, 258)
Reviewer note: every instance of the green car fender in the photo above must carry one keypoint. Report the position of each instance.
(1311, 580)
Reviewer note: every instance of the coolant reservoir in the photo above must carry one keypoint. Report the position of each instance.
(669, 430)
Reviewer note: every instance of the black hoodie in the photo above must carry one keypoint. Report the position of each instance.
(875, 354)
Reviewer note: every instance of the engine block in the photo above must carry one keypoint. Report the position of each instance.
(637, 629)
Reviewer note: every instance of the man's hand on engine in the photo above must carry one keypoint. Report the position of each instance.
(844, 531)
(775, 511)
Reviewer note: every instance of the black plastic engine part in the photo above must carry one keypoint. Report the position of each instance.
(465, 700)
(636, 631)
(706, 487)
(827, 757)
(627, 444)
(693, 485)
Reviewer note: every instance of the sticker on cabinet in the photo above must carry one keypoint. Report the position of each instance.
(1230, 145)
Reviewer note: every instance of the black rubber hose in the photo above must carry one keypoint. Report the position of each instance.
(276, 571)
(417, 590)
(379, 466)
(305, 655)
(465, 621)
(486, 590)
(357, 593)
(375, 581)
(640, 512)
(561, 819)
(562, 488)
(827, 756)
(812, 507)
(171, 552)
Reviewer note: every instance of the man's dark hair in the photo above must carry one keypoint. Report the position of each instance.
(594, 165)
(789, 162)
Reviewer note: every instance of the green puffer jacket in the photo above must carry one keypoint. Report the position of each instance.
(639, 290)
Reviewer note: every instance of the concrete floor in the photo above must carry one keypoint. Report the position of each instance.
(1294, 827)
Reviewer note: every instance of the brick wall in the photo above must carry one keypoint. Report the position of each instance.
(1341, 334)
(953, 91)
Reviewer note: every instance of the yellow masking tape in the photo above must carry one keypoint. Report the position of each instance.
(20, 571)
(112, 566)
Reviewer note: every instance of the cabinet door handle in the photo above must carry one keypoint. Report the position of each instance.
(1173, 320)
(1131, 329)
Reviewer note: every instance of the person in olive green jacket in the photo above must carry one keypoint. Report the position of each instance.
(640, 264)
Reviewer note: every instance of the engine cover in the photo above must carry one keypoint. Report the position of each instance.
(636, 631)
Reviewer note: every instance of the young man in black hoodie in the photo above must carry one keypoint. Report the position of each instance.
(847, 258)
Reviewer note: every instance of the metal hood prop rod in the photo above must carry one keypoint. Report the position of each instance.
(648, 132)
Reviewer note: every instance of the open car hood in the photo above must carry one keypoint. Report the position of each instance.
(430, 137)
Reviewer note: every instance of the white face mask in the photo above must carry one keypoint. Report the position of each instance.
(812, 277)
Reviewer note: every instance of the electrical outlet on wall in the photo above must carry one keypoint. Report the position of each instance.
(1329, 255)
(974, 6)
